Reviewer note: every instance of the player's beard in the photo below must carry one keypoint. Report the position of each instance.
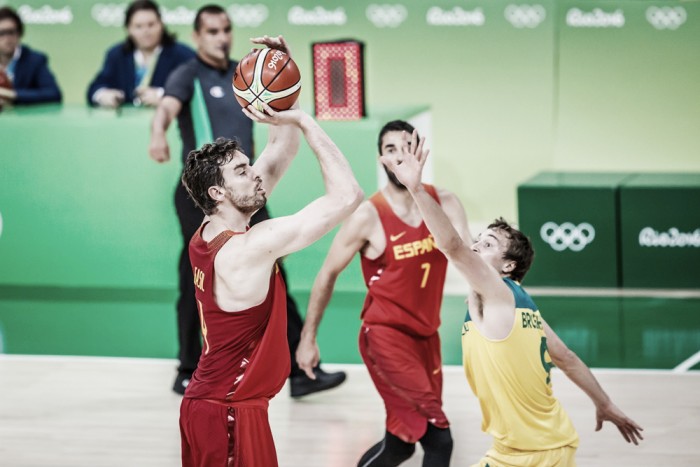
(248, 204)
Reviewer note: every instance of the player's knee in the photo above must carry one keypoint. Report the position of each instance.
(397, 449)
(391, 451)
(437, 440)
(398, 456)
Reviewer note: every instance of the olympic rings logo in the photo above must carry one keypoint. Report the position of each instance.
(108, 14)
(248, 15)
(525, 16)
(666, 17)
(386, 16)
(177, 16)
(567, 235)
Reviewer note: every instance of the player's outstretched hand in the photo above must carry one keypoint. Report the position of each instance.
(627, 427)
(277, 42)
(407, 163)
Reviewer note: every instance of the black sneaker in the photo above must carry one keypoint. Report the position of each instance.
(302, 385)
(181, 382)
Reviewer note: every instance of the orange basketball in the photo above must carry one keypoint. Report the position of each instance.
(267, 75)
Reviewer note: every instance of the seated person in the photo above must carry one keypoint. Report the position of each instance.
(24, 73)
(134, 71)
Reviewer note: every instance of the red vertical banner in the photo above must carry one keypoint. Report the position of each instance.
(339, 80)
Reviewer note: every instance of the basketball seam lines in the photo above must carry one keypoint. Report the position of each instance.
(264, 87)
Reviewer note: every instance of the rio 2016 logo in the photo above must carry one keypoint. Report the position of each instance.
(567, 235)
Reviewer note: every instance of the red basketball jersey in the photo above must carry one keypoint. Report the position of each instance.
(405, 283)
(244, 353)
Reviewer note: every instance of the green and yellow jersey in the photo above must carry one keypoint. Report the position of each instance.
(511, 379)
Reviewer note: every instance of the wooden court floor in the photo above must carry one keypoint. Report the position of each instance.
(74, 412)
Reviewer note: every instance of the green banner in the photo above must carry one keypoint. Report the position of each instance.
(515, 87)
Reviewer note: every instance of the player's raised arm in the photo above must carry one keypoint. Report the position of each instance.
(282, 143)
(283, 137)
(284, 235)
(455, 212)
(407, 165)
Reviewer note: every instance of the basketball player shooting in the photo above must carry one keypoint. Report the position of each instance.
(240, 292)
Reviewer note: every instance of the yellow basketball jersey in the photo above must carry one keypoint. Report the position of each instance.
(511, 379)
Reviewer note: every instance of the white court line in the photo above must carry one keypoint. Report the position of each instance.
(688, 363)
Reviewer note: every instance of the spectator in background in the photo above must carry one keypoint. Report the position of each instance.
(24, 72)
(135, 70)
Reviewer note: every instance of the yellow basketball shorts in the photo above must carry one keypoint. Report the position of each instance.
(560, 457)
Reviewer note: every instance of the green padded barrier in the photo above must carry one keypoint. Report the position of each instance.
(660, 332)
(660, 230)
(571, 219)
(613, 332)
(590, 326)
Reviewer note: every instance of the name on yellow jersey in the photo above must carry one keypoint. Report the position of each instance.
(530, 320)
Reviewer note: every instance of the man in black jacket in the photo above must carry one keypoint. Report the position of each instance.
(25, 77)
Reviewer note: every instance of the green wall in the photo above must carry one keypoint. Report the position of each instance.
(515, 87)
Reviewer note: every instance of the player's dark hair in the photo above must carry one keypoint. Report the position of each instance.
(203, 170)
(394, 125)
(8, 13)
(166, 38)
(208, 9)
(519, 248)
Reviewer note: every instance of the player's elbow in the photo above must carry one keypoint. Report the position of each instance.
(350, 199)
(451, 246)
(357, 197)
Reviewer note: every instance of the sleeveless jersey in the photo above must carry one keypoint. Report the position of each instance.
(405, 283)
(244, 353)
(511, 379)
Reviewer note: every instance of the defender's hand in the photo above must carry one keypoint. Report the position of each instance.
(627, 427)
(407, 164)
